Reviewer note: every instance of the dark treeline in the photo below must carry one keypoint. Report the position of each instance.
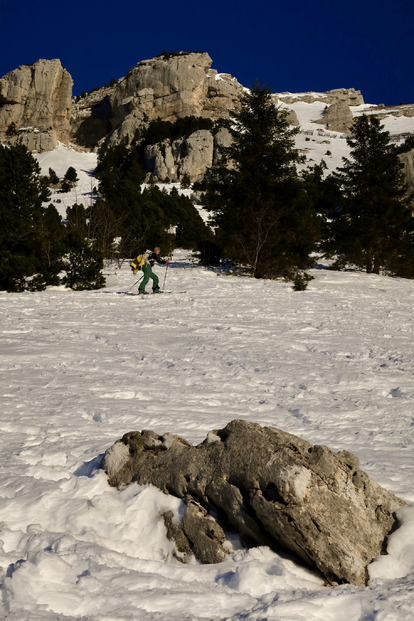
(36, 248)
(146, 217)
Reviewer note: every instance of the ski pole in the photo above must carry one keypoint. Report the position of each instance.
(135, 283)
(165, 275)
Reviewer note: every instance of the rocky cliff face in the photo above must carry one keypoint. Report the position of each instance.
(36, 109)
(338, 117)
(408, 160)
(187, 158)
(35, 105)
(349, 96)
(166, 87)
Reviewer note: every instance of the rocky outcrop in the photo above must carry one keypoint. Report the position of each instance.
(349, 96)
(188, 158)
(408, 160)
(292, 118)
(36, 110)
(35, 105)
(338, 117)
(382, 111)
(167, 87)
(274, 488)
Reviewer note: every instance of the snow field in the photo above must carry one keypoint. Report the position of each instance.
(333, 364)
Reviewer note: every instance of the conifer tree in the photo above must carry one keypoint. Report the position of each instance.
(84, 261)
(71, 176)
(263, 216)
(52, 245)
(22, 218)
(53, 178)
(372, 226)
(120, 177)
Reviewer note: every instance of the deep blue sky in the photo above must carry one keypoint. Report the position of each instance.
(287, 46)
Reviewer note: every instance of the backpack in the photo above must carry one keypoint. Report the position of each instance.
(137, 263)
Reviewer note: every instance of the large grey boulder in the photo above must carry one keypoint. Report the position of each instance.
(274, 488)
(35, 105)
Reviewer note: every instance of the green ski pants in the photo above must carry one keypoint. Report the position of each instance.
(148, 273)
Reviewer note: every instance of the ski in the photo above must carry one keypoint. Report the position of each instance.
(137, 294)
(145, 295)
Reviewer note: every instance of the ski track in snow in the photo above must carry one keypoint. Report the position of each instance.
(333, 364)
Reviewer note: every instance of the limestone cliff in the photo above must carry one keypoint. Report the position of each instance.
(35, 105)
(408, 160)
(186, 158)
(349, 96)
(338, 117)
(36, 109)
(167, 87)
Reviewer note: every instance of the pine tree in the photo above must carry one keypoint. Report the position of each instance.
(71, 176)
(83, 262)
(372, 226)
(70, 180)
(53, 178)
(263, 216)
(22, 218)
(52, 244)
(120, 177)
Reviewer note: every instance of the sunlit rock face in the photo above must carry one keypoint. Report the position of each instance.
(168, 87)
(35, 105)
(274, 488)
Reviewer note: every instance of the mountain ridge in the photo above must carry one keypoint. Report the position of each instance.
(37, 109)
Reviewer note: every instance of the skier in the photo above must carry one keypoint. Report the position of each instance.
(150, 258)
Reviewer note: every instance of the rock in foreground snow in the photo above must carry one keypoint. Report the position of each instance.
(273, 487)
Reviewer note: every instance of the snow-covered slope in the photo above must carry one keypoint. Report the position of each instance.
(60, 159)
(314, 141)
(318, 143)
(333, 364)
